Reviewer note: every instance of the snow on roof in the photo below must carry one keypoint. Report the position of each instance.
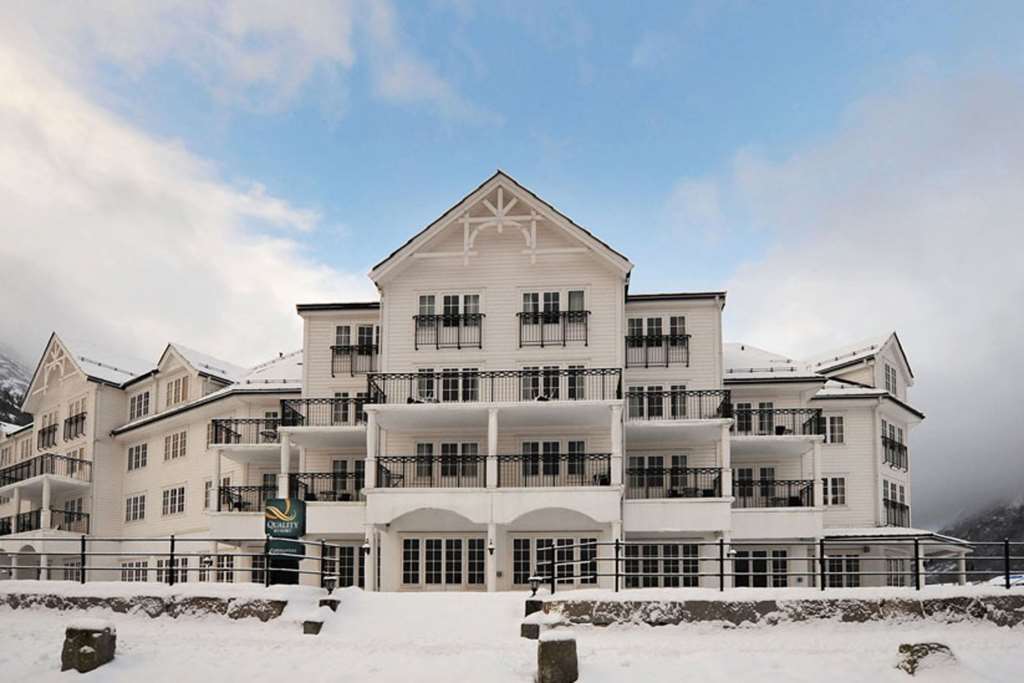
(833, 389)
(103, 365)
(859, 350)
(889, 532)
(285, 369)
(742, 360)
(8, 428)
(210, 365)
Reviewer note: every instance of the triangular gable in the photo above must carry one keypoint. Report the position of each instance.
(204, 364)
(858, 353)
(458, 214)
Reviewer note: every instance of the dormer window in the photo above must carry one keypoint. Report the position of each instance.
(138, 405)
(177, 391)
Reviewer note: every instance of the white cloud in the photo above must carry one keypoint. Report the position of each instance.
(113, 236)
(694, 207)
(909, 217)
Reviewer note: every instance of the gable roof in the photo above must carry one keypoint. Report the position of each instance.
(206, 364)
(95, 363)
(856, 352)
(443, 220)
(743, 363)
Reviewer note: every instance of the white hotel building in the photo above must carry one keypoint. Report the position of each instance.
(506, 393)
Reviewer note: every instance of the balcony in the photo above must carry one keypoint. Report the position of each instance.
(496, 386)
(72, 522)
(773, 493)
(47, 463)
(657, 350)
(323, 412)
(47, 437)
(778, 422)
(647, 405)
(330, 487)
(533, 470)
(894, 454)
(353, 360)
(554, 328)
(74, 427)
(896, 514)
(431, 471)
(243, 431)
(449, 331)
(645, 483)
(244, 498)
(28, 521)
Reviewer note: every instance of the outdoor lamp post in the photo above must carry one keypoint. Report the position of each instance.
(534, 585)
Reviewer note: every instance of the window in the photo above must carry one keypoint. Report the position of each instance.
(552, 382)
(761, 568)
(135, 571)
(427, 310)
(654, 329)
(135, 508)
(677, 329)
(669, 565)
(425, 384)
(207, 489)
(531, 458)
(177, 391)
(471, 309)
(179, 568)
(530, 383)
(74, 506)
(551, 458)
(470, 453)
(551, 306)
(655, 402)
(365, 337)
(450, 303)
(138, 405)
(576, 300)
(26, 449)
(452, 560)
(225, 569)
(449, 459)
(432, 561)
(174, 445)
(780, 569)
(896, 572)
(531, 302)
(575, 462)
(342, 335)
(890, 379)
(520, 561)
(137, 456)
(744, 417)
(450, 384)
(635, 332)
(173, 501)
(835, 429)
(843, 571)
(765, 417)
(424, 459)
(5, 456)
(833, 489)
(574, 383)
(411, 560)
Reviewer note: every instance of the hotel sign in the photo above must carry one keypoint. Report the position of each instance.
(285, 518)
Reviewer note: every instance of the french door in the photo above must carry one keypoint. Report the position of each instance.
(443, 562)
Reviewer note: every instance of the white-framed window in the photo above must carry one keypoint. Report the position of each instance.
(26, 449)
(135, 571)
(225, 569)
(833, 490)
(207, 490)
(175, 445)
(843, 571)
(443, 560)
(896, 575)
(73, 505)
(531, 556)
(137, 456)
(656, 565)
(135, 507)
(138, 405)
(5, 456)
(173, 501)
(177, 391)
(179, 567)
(342, 335)
(835, 429)
(890, 379)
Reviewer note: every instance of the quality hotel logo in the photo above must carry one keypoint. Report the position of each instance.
(277, 514)
(285, 517)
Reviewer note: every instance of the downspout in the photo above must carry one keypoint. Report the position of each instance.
(876, 466)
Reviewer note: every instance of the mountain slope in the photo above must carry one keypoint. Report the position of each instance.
(998, 522)
(14, 379)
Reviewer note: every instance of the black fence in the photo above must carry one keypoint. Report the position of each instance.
(777, 421)
(244, 430)
(644, 483)
(773, 493)
(677, 404)
(449, 331)
(355, 359)
(244, 498)
(74, 426)
(530, 470)
(432, 471)
(323, 412)
(554, 328)
(327, 486)
(178, 561)
(28, 521)
(829, 563)
(894, 454)
(47, 463)
(468, 386)
(657, 350)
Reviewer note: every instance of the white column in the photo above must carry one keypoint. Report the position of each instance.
(370, 569)
(616, 436)
(962, 569)
(725, 452)
(819, 494)
(286, 463)
(371, 451)
(302, 458)
(215, 487)
(44, 567)
(44, 515)
(492, 558)
(492, 448)
(16, 499)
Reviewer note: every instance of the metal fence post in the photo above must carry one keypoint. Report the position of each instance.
(81, 578)
(617, 549)
(323, 550)
(170, 569)
(1006, 562)
(721, 564)
(266, 561)
(553, 569)
(821, 562)
(917, 564)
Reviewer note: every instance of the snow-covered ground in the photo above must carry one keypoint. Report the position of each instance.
(475, 637)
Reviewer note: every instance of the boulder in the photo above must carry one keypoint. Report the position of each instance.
(533, 605)
(529, 631)
(330, 603)
(556, 657)
(88, 645)
(917, 656)
(311, 627)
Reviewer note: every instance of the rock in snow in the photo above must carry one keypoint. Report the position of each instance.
(918, 656)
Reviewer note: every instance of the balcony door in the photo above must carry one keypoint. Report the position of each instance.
(443, 563)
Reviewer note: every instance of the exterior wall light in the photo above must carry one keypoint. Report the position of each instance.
(490, 546)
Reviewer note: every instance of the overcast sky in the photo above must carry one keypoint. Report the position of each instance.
(189, 171)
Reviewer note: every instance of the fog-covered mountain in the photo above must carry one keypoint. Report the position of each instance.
(14, 378)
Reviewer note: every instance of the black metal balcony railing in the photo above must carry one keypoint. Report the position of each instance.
(449, 331)
(327, 486)
(323, 412)
(244, 498)
(673, 482)
(432, 471)
(244, 430)
(773, 493)
(896, 513)
(47, 463)
(554, 328)
(468, 386)
(554, 469)
(702, 404)
(894, 454)
(28, 521)
(47, 437)
(67, 520)
(74, 426)
(657, 350)
(6, 526)
(777, 422)
(357, 359)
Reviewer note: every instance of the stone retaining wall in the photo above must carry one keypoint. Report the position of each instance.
(1004, 610)
(154, 606)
